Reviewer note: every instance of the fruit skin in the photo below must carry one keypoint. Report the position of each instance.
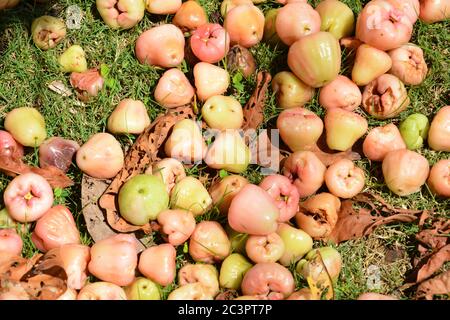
(337, 18)
(143, 289)
(268, 248)
(47, 32)
(190, 194)
(331, 259)
(382, 140)
(245, 25)
(142, 198)
(101, 291)
(209, 243)
(73, 59)
(439, 133)
(210, 80)
(101, 148)
(238, 240)
(344, 128)
(57, 152)
(296, 241)
(246, 215)
(8, 146)
(410, 7)
(204, 274)
(27, 126)
(223, 191)
(233, 270)
(315, 59)
(173, 89)
(28, 197)
(439, 179)
(405, 171)
(130, 116)
(432, 11)
(414, 130)
(10, 242)
(121, 14)
(340, 93)
(169, 170)
(223, 112)
(370, 63)
(270, 31)
(210, 42)
(158, 263)
(291, 91)
(408, 64)
(190, 16)
(344, 179)
(190, 291)
(162, 6)
(228, 5)
(177, 225)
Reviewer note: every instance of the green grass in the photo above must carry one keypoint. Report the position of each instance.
(26, 71)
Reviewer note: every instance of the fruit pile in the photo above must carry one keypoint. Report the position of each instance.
(244, 241)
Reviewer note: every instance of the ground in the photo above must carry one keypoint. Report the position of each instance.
(25, 72)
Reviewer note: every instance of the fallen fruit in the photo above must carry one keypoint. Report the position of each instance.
(129, 117)
(47, 32)
(27, 126)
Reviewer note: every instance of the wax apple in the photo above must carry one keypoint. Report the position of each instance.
(229, 152)
(10, 242)
(100, 149)
(57, 152)
(297, 243)
(302, 294)
(439, 179)
(238, 240)
(87, 84)
(28, 197)
(209, 242)
(296, 20)
(270, 31)
(246, 215)
(306, 172)
(190, 16)
(8, 146)
(240, 59)
(269, 279)
(130, 116)
(73, 60)
(55, 228)
(284, 193)
(210, 80)
(186, 142)
(101, 291)
(6, 221)
(408, 64)
(223, 112)
(142, 198)
(121, 14)
(233, 270)
(344, 128)
(344, 179)
(414, 130)
(47, 32)
(161, 46)
(299, 128)
(177, 225)
(370, 63)
(169, 170)
(190, 291)
(383, 26)
(114, 259)
(190, 194)
(158, 263)
(27, 126)
(382, 140)
(162, 6)
(228, 5)
(337, 18)
(409, 7)
(315, 58)
(143, 289)
(432, 11)
(245, 25)
(291, 91)
(173, 89)
(385, 97)
(340, 93)
(210, 42)
(405, 171)
(269, 248)
(69, 294)
(204, 274)
(318, 215)
(439, 134)
(223, 191)
(331, 259)
(375, 296)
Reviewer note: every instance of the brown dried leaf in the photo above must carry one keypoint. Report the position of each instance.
(434, 263)
(254, 109)
(141, 155)
(437, 285)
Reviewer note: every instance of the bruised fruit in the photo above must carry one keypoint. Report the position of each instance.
(331, 260)
(57, 152)
(268, 248)
(173, 89)
(344, 179)
(27, 126)
(47, 32)
(408, 64)
(240, 59)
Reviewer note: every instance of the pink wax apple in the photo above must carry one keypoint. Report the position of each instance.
(158, 263)
(177, 225)
(209, 242)
(210, 42)
(28, 197)
(268, 248)
(284, 193)
(10, 242)
(102, 291)
(8, 146)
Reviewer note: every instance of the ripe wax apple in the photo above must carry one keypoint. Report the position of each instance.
(382, 140)
(268, 248)
(142, 198)
(73, 60)
(27, 126)
(190, 194)
(337, 18)
(57, 152)
(405, 171)
(270, 31)
(47, 32)
(297, 243)
(343, 128)
(204, 274)
(408, 64)
(340, 93)
(210, 42)
(414, 130)
(228, 5)
(233, 270)
(190, 291)
(101, 148)
(163, 6)
(10, 242)
(190, 16)
(344, 179)
(173, 89)
(291, 91)
(143, 289)
(331, 259)
(296, 20)
(161, 46)
(223, 112)
(28, 197)
(439, 133)
(130, 116)
(210, 80)
(410, 7)
(101, 291)
(245, 25)
(121, 14)
(223, 191)
(169, 170)
(158, 263)
(8, 146)
(209, 243)
(432, 11)
(370, 63)
(177, 225)
(439, 179)
(238, 240)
